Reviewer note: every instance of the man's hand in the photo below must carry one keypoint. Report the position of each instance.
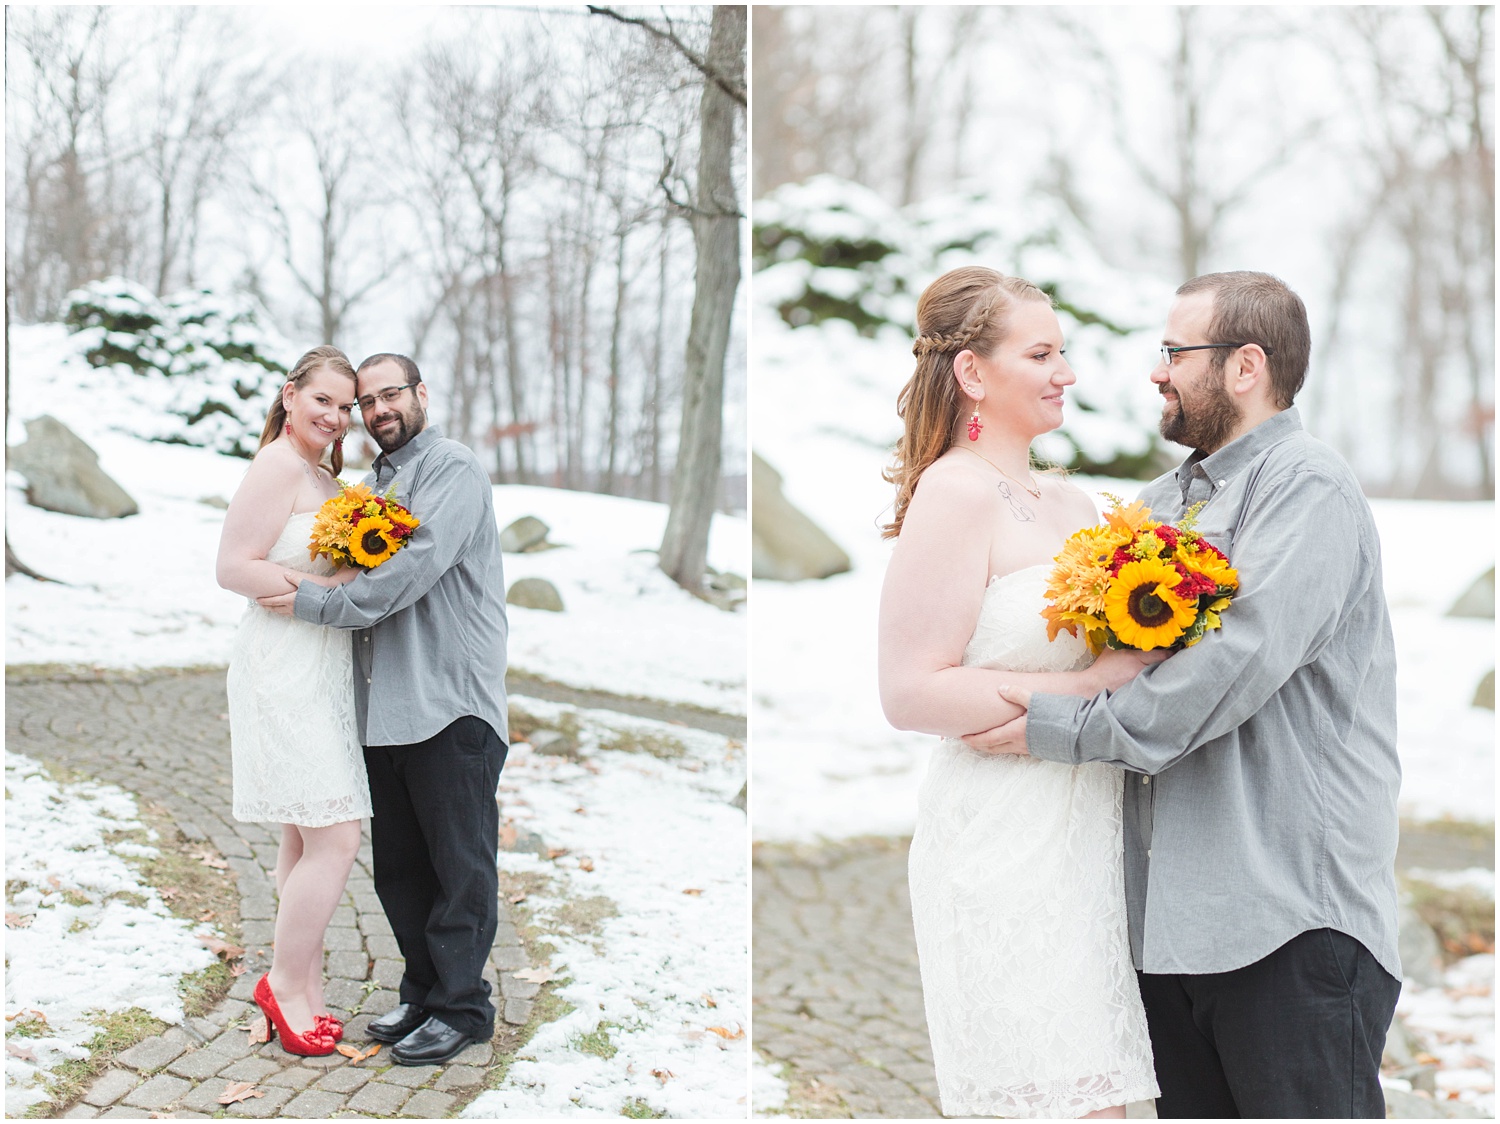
(1010, 737)
(282, 603)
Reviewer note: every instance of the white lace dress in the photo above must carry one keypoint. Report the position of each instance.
(1018, 898)
(292, 731)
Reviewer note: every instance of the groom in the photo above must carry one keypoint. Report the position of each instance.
(1261, 768)
(429, 689)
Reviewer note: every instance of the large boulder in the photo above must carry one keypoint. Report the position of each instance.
(786, 545)
(1478, 600)
(63, 474)
(1484, 694)
(526, 533)
(535, 593)
(1420, 950)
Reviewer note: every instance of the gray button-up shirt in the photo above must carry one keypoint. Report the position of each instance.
(430, 645)
(1260, 800)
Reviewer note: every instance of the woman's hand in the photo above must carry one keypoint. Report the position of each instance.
(1116, 667)
(342, 576)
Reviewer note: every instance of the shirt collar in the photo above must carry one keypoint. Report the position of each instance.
(399, 458)
(1220, 467)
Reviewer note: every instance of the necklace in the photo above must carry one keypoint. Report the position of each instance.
(1036, 493)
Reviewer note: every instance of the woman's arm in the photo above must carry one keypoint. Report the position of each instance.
(342, 576)
(929, 605)
(254, 522)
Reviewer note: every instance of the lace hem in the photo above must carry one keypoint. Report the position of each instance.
(323, 814)
(1060, 1100)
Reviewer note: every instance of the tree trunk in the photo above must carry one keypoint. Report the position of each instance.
(612, 434)
(716, 232)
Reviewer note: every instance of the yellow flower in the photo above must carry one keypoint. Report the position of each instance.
(1081, 576)
(1211, 566)
(1129, 520)
(371, 543)
(1143, 610)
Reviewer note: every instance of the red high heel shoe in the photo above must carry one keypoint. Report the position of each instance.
(329, 1025)
(316, 1043)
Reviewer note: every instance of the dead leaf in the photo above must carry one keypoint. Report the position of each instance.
(54, 881)
(694, 893)
(355, 1054)
(534, 975)
(586, 863)
(168, 893)
(208, 858)
(16, 921)
(22, 1052)
(663, 1075)
(207, 915)
(239, 1091)
(221, 948)
(709, 999)
(507, 837)
(260, 1031)
(238, 969)
(517, 898)
(556, 852)
(580, 811)
(725, 1032)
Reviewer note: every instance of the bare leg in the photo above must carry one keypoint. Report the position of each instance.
(287, 854)
(310, 891)
(1117, 1112)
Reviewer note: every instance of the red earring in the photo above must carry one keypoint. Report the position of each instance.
(975, 425)
(289, 427)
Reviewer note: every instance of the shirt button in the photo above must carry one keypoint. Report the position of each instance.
(367, 639)
(367, 679)
(1222, 483)
(1148, 852)
(1145, 780)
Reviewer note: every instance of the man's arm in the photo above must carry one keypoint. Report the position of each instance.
(1301, 561)
(451, 503)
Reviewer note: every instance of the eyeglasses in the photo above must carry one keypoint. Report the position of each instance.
(1167, 353)
(387, 396)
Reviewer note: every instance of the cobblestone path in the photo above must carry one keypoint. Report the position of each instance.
(165, 737)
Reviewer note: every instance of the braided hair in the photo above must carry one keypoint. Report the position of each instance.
(964, 309)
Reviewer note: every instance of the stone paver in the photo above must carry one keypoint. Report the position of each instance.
(164, 737)
(429, 1105)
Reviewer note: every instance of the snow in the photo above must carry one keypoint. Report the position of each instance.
(140, 591)
(669, 851)
(828, 766)
(1456, 1023)
(98, 938)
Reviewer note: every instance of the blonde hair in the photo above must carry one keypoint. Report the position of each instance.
(325, 355)
(965, 309)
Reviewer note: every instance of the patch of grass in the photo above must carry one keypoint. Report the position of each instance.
(129, 897)
(584, 915)
(1463, 919)
(637, 1109)
(201, 991)
(75, 898)
(31, 1024)
(191, 887)
(118, 1031)
(523, 724)
(659, 745)
(597, 1043)
(78, 925)
(509, 1040)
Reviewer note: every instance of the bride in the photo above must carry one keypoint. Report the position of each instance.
(296, 754)
(1016, 865)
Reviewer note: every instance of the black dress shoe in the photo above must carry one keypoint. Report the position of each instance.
(432, 1043)
(395, 1025)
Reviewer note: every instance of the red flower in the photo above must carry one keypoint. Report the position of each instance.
(1168, 535)
(1192, 586)
(1204, 544)
(1121, 557)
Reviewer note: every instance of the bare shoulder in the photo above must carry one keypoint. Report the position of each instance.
(953, 480)
(1078, 503)
(276, 460)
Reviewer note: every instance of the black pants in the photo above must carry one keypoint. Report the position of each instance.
(1296, 1034)
(435, 833)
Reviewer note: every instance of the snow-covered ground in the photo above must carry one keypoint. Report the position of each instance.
(656, 836)
(84, 934)
(1456, 1022)
(140, 591)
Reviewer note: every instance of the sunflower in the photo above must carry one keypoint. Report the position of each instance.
(1143, 610)
(371, 541)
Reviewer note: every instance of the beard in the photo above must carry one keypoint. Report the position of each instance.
(408, 425)
(1209, 423)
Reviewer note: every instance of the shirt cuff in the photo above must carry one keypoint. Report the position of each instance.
(311, 597)
(1050, 724)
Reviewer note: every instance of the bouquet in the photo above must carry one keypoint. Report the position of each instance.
(1137, 583)
(359, 528)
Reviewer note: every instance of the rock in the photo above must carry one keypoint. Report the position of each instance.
(552, 743)
(740, 797)
(535, 593)
(1484, 694)
(215, 501)
(1401, 1105)
(1401, 1045)
(1421, 952)
(1478, 600)
(524, 534)
(63, 474)
(785, 544)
